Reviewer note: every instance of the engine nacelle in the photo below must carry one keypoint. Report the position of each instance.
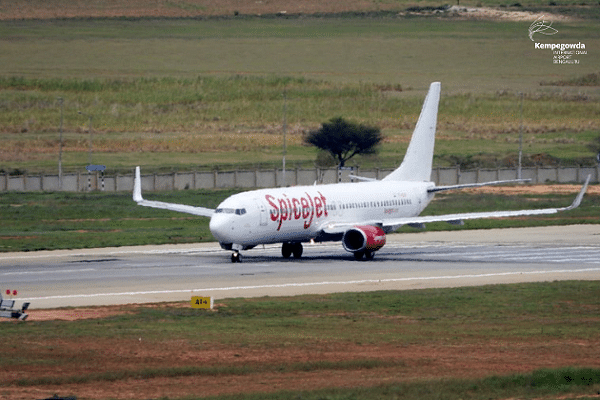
(363, 238)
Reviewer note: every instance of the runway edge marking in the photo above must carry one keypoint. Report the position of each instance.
(308, 284)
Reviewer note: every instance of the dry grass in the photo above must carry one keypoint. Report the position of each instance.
(44, 9)
(214, 142)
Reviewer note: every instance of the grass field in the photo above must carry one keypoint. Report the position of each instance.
(184, 93)
(472, 343)
(35, 221)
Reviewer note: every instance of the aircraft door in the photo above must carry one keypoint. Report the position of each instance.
(263, 213)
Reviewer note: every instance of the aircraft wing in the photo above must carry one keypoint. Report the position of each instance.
(395, 223)
(137, 197)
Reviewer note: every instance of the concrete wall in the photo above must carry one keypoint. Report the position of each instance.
(271, 178)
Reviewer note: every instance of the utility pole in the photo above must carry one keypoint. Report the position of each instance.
(60, 143)
(90, 129)
(284, 133)
(520, 139)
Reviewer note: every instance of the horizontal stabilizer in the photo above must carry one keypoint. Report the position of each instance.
(472, 185)
(362, 178)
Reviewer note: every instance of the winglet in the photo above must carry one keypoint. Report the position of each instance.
(579, 197)
(137, 186)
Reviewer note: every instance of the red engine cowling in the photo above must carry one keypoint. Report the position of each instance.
(363, 238)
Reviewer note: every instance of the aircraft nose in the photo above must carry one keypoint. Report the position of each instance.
(220, 227)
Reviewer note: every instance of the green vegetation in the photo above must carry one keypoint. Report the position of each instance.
(187, 93)
(208, 122)
(587, 80)
(38, 221)
(450, 316)
(517, 317)
(565, 383)
(75, 220)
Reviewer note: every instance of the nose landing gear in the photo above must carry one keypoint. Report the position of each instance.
(236, 257)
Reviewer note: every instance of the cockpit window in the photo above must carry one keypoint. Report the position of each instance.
(236, 211)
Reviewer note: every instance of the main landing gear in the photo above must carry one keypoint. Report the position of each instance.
(287, 249)
(368, 255)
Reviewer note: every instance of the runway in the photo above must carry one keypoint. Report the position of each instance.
(143, 274)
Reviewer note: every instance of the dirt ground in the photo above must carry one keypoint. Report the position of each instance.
(535, 189)
(476, 358)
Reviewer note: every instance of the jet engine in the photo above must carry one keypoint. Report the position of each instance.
(363, 240)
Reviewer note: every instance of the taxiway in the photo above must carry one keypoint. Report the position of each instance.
(143, 274)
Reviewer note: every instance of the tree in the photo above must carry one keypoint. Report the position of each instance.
(343, 139)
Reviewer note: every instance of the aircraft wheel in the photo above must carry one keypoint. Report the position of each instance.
(297, 250)
(286, 250)
(236, 257)
(358, 255)
(369, 255)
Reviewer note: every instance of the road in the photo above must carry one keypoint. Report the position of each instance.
(143, 274)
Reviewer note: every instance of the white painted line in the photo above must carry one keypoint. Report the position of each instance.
(45, 272)
(308, 284)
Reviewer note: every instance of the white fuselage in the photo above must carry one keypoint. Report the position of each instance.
(357, 214)
(299, 214)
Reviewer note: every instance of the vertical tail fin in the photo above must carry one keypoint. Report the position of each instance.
(417, 162)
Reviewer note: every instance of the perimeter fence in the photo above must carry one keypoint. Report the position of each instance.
(83, 181)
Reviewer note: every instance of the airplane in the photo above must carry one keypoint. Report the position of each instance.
(357, 214)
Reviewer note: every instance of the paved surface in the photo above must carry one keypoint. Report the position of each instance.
(176, 272)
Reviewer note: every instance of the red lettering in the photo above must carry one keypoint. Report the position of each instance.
(286, 209)
(305, 208)
(275, 211)
(289, 213)
(324, 200)
(318, 207)
(297, 211)
(283, 212)
(312, 213)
